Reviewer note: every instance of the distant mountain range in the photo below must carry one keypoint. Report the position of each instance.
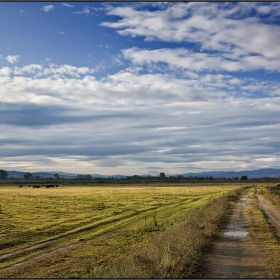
(270, 172)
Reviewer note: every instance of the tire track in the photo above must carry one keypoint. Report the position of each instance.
(76, 231)
(44, 255)
(107, 232)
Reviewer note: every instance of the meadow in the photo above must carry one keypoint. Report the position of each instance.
(100, 225)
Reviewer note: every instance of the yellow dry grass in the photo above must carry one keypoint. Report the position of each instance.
(105, 222)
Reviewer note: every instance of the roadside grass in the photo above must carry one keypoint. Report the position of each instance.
(265, 236)
(272, 192)
(107, 222)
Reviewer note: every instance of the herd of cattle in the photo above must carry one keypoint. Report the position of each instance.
(42, 186)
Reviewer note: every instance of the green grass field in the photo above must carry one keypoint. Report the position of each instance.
(105, 222)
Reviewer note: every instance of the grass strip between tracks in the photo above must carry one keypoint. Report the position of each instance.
(265, 235)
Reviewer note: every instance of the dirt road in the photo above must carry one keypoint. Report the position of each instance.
(235, 253)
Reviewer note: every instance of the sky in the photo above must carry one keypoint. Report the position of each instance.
(137, 88)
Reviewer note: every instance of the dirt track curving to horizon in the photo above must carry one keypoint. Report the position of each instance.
(235, 253)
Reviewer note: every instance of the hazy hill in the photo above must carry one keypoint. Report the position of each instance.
(270, 172)
(50, 174)
(229, 174)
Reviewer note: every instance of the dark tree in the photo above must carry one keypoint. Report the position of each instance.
(3, 174)
(244, 177)
(27, 175)
(56, 176)
(85, 177)
(88, 177)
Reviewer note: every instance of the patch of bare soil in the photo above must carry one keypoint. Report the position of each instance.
(235, 254)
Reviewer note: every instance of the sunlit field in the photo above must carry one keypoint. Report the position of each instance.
(102, 223)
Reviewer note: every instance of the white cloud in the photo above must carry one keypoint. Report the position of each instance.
(240, 42)
(266, 159)
(106, 46)
(271, 9)
(182, 58)
(12, 58)
(5, 71)
(67, 5)
(170, 127)
(97, 8)
(116, 59)
(72, 70)
(86, 10)
(194, 112)
(60, 32)
(30, 69)
(275, 92)
(47, 8)
(53, 71)
(91, 54)
(130, 87)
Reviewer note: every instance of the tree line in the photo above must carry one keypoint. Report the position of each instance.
(28, 176)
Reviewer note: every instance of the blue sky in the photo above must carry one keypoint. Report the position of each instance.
(139, 88)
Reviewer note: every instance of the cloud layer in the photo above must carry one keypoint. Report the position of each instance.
(128, 119)
(229, 36)
(198, 94)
